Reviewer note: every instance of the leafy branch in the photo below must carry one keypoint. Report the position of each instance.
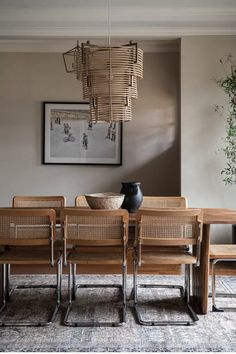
(228, 84)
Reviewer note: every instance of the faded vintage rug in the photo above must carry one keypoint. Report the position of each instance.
(213, 332)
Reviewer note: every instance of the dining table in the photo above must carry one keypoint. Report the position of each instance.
(200, 278)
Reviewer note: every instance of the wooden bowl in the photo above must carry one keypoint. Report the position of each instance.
(107, 200)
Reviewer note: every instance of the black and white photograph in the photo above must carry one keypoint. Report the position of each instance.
(70, 137)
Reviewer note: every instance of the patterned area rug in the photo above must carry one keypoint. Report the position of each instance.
(213, 332)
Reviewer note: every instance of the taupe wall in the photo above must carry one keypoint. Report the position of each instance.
(201, 128)
(150, 141)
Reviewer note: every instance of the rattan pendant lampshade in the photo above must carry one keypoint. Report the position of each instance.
(73, 61)
(109, 78)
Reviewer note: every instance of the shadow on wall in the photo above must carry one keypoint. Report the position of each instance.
(160, 176)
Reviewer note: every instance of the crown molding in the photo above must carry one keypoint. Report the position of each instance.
(130, 19)
(62, 45)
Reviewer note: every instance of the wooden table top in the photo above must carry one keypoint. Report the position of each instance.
(218, 216)
(209, 216)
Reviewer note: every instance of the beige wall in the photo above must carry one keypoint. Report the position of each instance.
(201, 128)
(150, 141)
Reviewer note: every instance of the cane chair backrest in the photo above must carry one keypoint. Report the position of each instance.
(54, 202)
(27, 227)
(95, 227)
(169, 227)
(164, 202)
(80, 201)
(86, 227)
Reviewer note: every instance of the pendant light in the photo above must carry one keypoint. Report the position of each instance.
(109, 77)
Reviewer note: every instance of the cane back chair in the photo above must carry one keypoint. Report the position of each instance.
(56, 202)
(41, 201)
(29, 236)
(88, 229)
(221, 253)
(164, 202)
(80, 201)
(163, 237)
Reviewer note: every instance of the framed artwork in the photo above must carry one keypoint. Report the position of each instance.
(71, 138)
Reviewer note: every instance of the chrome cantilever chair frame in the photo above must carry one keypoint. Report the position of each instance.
(72, 287)
(214, 295)
(56, 202)
(27, 213)
(184, 291)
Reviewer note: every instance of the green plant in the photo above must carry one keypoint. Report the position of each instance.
(228, 84)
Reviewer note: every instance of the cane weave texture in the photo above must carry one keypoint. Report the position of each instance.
(27, 227)
(164, 202)
(54, 202)
(168, 227)
(38, 204)
(93, 228)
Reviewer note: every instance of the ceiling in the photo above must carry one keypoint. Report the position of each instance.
(52, 23)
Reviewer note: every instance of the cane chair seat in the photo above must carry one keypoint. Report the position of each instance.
(87, 229)
(167, 257)
(24, 255)
(94, 258)
(221, 253)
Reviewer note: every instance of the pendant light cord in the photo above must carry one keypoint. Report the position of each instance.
(110, 66)
(109, 22)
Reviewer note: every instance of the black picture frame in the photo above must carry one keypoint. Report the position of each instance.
(69, 138)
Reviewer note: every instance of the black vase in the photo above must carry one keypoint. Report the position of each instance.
(133, 196)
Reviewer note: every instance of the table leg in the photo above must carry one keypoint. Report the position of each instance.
(199, 299)
(1, 284)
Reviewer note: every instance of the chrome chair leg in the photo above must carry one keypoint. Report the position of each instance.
(58, 291)
(33, 323)
(73, 281)
(184, 293)
(8, 288)
(3, 290)
(187, 282)
(69, 298)
(73, 288)
(124, 270)
(187, 291)
(214, 294)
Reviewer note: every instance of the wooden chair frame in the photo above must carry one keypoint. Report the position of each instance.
(169, 242)
(218, 253)
(25, 201)
(214, 294)
(29, 201)
(164, 202)
(122, 242)
(35, 242)
(80, 201)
